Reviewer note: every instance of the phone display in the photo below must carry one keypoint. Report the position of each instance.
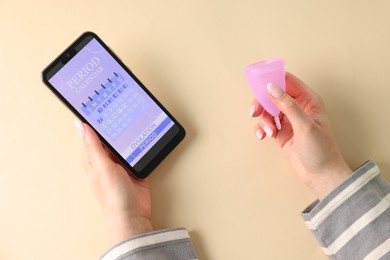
(104, 93)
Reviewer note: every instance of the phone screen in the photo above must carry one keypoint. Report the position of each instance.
(114, 102)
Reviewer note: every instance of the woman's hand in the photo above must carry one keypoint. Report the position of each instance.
(125, 201)
(305, 137)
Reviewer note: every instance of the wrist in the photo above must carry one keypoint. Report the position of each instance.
(329, 181)
(123, 227)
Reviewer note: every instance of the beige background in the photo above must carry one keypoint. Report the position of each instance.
(237, 196)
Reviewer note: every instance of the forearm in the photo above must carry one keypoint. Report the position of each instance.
(353, 220)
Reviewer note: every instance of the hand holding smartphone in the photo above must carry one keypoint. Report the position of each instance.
(94, 83)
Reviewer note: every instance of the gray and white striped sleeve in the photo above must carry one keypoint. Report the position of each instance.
(353, 221)
(168, 244)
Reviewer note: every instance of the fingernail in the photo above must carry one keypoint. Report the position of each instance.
(274, 90)
(259, 134)
(268, 130)
(252, 110)
(80, 127)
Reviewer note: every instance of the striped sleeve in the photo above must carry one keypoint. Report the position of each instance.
(353, 221)
(168, 244)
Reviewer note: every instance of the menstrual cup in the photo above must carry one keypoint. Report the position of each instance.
(261, 73)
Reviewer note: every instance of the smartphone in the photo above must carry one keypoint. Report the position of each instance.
(95, 84)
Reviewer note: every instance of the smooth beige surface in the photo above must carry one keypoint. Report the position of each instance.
(237, 196)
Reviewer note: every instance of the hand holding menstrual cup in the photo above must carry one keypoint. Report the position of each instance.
(261, 73)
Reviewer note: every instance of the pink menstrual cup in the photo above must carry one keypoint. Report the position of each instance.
(261, 73)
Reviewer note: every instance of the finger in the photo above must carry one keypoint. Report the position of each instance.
(302, 94)
(289, 107)
(259, 132)
(256, 109)
(267, 124)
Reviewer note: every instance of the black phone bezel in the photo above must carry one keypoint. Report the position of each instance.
(159, 151)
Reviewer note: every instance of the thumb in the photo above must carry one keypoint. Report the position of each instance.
(289, 107)
(95, 152)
